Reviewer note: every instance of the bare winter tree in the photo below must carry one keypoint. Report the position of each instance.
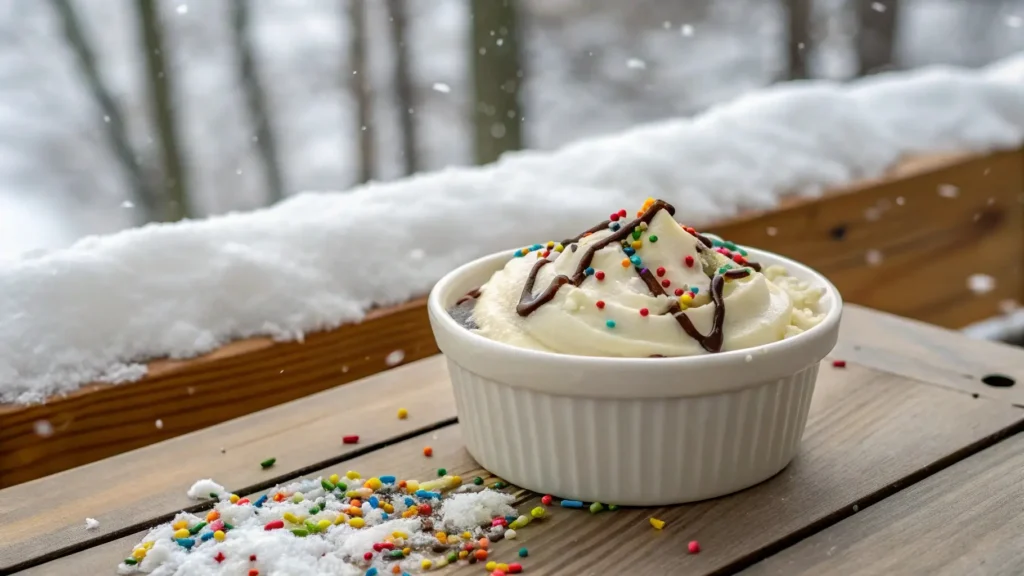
(359, 83)
(876, 35)
(144, 194)
(403, 85)
(799, 37)
(497, 78)
(160, 89)
(255, 99)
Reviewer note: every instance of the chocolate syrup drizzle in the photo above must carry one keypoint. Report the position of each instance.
(712, 342)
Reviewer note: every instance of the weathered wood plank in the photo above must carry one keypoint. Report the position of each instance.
(929, 353)
(242, 378)
(868, 434)
(967, 519)
(900, 246)
(38, 519)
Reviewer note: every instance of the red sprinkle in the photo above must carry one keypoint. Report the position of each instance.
(498, 573)
(369, 555)
(376, 548)
(499, 522)
(353, 439)
(644, 311)
(689, 261)
(666, 282)
(274, 525)
(614, 217)
(242, 501)
(425, 509)
(622, 213)
(546, 500)
(254, 572)
(599, 275)
(387, 545)
(252, 558)
(219, 557)
(660, 271)
(515, 568)
(694, 547)
(546, 253)
(216, 525)
(679, 292)
(839, 363)
(739, 259)
(600, 303)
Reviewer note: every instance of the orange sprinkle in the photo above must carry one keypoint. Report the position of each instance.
(396, 569)
(625, 262)
(355, 502)
(278, 497)
(639, 213)
(352, 510)
(213, 515)
(401, 484)
(428, 451)
(480, 554)
(587, 234)
(484, 543)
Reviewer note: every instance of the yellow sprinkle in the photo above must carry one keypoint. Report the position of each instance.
(550, 245)
(398, 534)
(463, 554)
(323, 524)
(388, 508)
(491, 566)
(649, 201)
(334, 479)
(441, 537)
(352, 475)
(403, 413)
(559, 248)
(411, 486)
(406, 551)
(686, 299)
(183, 533)
(658, 524)
(219, 535)
(357, 522)
(291, 518)
(537, 512)
(540, 254)
(456, 481)
(234, 498)
(426, 564)
(374, 483)
(341, 519)
(407, 514)
(139, 553)
(180, 524)
(298, 497)
(503, 567)
(148, 545)
(637, 244)
(467, 535)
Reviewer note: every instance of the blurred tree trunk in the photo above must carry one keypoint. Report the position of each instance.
(497, 78)
(255, 99)
(143, 194)
(403, 84)
(876, 35)
(799, 37)
(361, 88)
(160, 88)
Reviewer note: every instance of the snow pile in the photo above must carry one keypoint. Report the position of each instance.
(206, 488)
(309, 527)
(98, 309)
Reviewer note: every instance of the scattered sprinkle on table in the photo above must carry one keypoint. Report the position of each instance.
(350, 439)
(268, 463)
(403, 413)
(658, 524)
(839, 363)
(428, 451)
(693, 547)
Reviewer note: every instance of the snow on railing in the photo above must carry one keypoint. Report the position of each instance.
(98, 309)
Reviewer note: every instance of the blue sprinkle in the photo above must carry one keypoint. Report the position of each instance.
(589, 271)
(610, 324)
(573, 503)
(206, 536)
(510, 519)
(518, 254)
(387, 479)
(384, 515)
(259, 501)
(428, 494)
(186, 543)
(371, 572)
(635, 260)
(614, 226)
(374, 502)
(409, 501)
(536, 247)
(695, 289)
(629, 251)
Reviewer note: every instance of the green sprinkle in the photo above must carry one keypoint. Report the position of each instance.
(724, 269)
(300, 532)
(228, 527)
(499, 485)
(195, 529)
(268, 463)
(314, 510)
(214, 496)
(441, 471)
(341, 486)
(312, 528)
(131, 561)
(452, 557)
(716, 242)
(298, 497)
(613, 507)
(523, 552)
(636, 233)
(478, 481)
(742, 251)
(729, 245)
(327, 485)
(396, 554)
(652, 238)
(596, 507)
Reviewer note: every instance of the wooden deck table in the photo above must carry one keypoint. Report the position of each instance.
(911, 463)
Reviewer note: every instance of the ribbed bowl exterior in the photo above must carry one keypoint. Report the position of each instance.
(640, 452)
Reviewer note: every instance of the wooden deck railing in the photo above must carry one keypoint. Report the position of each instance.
(895, 244)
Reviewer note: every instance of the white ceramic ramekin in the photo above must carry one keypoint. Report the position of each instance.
(631, 431)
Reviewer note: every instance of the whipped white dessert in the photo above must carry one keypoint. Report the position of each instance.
(640, 287)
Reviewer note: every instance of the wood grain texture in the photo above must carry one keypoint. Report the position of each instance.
(967, 519)
(135, 487)
(868, 434)
(928, 244)
(242, 378)
(929, 353)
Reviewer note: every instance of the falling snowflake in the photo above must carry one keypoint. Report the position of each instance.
(183, 9)
(497, 130)
(1008, 306)
(873, 257)
(441, 87)
(981, 283)
(666, 24)
(900, 201)
(1014, 21)
(872, 214)
(344, 369)
(948, 191)
(636, 64)
(686, 30)
(878, 7)
(159, 424)
(417, 254)
(43, 428)
(395, 358)
(127, 204)
(771, 230)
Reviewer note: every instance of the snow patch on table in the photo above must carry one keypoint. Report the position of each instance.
(101, 308)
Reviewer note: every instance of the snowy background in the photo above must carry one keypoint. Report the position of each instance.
(591, 67)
